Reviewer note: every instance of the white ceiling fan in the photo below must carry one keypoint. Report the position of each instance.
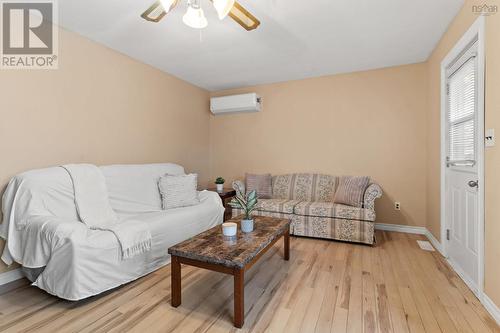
(195, 16)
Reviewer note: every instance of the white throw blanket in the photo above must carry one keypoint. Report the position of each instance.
(92, 203)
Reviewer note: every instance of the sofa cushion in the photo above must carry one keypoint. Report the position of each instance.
(236, 212)
(277, 205)
(260, 184)
(179, 190)
(329, 209)
(304, 187)
(351, 190)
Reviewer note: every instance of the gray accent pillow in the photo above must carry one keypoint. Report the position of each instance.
(179, 190)
(262, 184)
(351, 191)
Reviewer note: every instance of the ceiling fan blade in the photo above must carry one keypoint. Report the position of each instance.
(156, 11)
(243, 17)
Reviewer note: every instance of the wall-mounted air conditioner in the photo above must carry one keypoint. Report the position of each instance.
(235, 103)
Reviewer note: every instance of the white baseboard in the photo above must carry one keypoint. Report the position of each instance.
(492, 308)
(411, 230)
(10, 276)
(401, 228)
(471, 284)
(434, 241)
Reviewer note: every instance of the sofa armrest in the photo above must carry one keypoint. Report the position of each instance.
(373, 192)
(33, 242)
(239, 185)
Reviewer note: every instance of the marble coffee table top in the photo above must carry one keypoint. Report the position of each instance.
(213, 247)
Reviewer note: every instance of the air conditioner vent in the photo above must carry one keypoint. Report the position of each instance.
(236, 103)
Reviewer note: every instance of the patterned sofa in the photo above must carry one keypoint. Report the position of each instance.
(307, 200)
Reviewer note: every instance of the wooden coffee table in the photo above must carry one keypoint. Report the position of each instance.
(211, 250)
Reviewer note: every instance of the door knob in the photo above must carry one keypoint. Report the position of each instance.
(473, 183)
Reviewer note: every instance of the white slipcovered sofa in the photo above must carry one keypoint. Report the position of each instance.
(44, 234)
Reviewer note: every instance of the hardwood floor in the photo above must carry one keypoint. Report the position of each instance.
(326, 286)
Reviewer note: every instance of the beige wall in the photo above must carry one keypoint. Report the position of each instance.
(492, 117)
(99, 107)
(367, 123)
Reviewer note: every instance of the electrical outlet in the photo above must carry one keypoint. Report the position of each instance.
(397, 205)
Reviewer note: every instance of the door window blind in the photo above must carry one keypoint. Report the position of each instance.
(461, 113)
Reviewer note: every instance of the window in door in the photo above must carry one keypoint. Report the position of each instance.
(461, 85)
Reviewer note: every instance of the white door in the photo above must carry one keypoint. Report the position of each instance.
(461, 175)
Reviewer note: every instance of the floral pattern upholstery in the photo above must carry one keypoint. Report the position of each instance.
(305, 187)
(333, 228)
(277, 205)
(372, 192)
(330, 209)
(274, 205)
(307, 200)
(237, 212)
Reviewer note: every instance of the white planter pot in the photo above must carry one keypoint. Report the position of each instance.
(247, 225)
(220, 187)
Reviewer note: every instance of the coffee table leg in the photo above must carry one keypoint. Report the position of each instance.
(286, 241)
(176, 281)
(239, 297)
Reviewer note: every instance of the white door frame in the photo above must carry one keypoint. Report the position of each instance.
(475, 32)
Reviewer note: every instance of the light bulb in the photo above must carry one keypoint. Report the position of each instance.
(194, 17)
(223, 7)
(167, 4)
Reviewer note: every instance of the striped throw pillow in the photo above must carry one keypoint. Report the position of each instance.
(351, 191)
(179, 190)
(262, 184)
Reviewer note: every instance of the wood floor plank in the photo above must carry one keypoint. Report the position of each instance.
(313, 309)
(418, 292)
(341, 309)
(277, 292)
(326, 286)
(441, 286)
(413, 319)
(447, 280)
(382, 301)
(257, 280)
(389, 285)
(321, 285)
(469, 296)
(331, 292)
(369, 299)
(432, 295)
(355, 313)
(295, 287)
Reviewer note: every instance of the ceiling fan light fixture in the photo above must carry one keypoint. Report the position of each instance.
(195, 17)
(167, 4)
(223, 7)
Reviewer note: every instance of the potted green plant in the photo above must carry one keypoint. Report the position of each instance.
(219, 182)
(247, 202)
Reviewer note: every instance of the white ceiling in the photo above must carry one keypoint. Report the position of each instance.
(297, 39)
